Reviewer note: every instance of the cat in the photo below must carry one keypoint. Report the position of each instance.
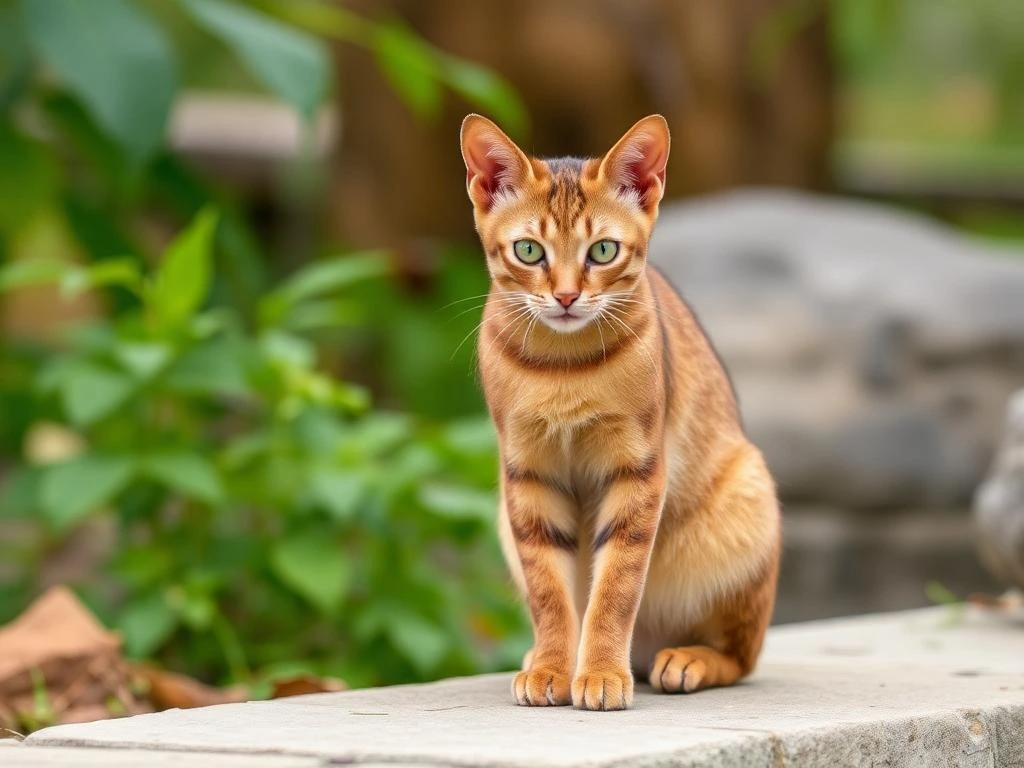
(637, 519)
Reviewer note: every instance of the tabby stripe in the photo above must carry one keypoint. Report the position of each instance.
(514, 474)
(626, 531)
(641, 471)
(542, 533)
(613, 275)
(647, 419)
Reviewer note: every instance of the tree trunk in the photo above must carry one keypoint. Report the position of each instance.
(746, 86)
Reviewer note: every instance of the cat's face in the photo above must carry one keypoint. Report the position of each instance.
(566, 240)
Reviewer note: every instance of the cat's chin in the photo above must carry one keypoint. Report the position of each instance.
(567, 323)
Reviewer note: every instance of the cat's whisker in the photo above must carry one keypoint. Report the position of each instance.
(497, 300)
(526, 311)
(623, 301)
(480, 325)
(469, 298)
(611, 314)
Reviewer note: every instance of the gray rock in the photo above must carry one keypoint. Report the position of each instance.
(999, 503)
(872, 350)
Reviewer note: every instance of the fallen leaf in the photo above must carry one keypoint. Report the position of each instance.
(170, 690)
(303, 684)
(57, 662)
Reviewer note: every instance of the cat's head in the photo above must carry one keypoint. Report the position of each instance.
(568, 236)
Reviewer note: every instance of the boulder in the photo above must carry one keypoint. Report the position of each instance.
(873, 350)
(999, 503)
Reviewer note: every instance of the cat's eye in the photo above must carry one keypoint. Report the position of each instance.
(603, 251)
(528, 251)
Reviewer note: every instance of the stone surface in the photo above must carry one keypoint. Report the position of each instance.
(873, 351)
(59, 757)
(919, 688)
(999, 503)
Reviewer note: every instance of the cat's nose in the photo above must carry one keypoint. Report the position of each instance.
(566, 298)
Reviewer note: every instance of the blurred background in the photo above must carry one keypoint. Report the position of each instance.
(239, 288)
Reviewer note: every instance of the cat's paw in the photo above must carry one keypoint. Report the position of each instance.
(678, 670)
(604, 689)
(540, 687)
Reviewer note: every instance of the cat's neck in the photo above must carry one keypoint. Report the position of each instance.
(532, 342)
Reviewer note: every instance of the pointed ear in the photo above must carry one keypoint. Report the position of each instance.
(495, 166)
(635, 166)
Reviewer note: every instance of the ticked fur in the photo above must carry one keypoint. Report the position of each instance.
(637, 519)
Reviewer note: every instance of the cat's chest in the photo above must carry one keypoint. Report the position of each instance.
(562, 406)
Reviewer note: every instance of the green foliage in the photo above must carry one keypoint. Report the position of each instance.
(291, 64)
(416, 70)
(265, 517)
(128, 87)
(903, 59)
(263, 514)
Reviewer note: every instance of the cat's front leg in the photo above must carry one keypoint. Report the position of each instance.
(541, 520)
(626, 526)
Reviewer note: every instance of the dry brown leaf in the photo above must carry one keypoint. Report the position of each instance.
(303, 684)
(170, 690)
(59, 664)
(1010, 602)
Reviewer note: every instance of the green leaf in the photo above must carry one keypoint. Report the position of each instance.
(122, 272)
(338, 491)
(216, 366)
(490, 92)
(194, 605)
(188, 473)
(315, 315)
(19, 493)
(472, 436)
(27, 272)
(321, 278)
(90, 392)
(146, 624)
(290, 63)
(287, 350)
(72, 489)
(456, 502)
(29, 179)
(424, 644)
(314, 566)
(183, 280)
(113, 56)
(143, 359)
(411, 66)
(142, 565)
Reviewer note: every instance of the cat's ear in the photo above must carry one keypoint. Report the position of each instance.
(635, 166)
(495, 166)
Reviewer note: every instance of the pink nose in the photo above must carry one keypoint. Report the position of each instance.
(566, 298)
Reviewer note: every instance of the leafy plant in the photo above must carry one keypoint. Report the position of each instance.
(265, 519)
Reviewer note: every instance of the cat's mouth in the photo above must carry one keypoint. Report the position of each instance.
(567, 320)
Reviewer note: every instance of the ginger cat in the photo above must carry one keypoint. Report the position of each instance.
(638, 520)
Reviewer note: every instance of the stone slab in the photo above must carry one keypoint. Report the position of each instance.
(916, 688)
(71, 757)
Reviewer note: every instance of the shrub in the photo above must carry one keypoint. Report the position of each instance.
(265, 519)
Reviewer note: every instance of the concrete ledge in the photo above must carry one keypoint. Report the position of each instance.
(899, 689)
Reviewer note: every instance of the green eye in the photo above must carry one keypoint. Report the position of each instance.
(528, 251)
(603, 251)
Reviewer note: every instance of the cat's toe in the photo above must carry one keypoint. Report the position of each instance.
(675, 670)
(603, 690)
(539, 687)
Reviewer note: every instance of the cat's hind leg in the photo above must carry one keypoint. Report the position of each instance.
(738, 626)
